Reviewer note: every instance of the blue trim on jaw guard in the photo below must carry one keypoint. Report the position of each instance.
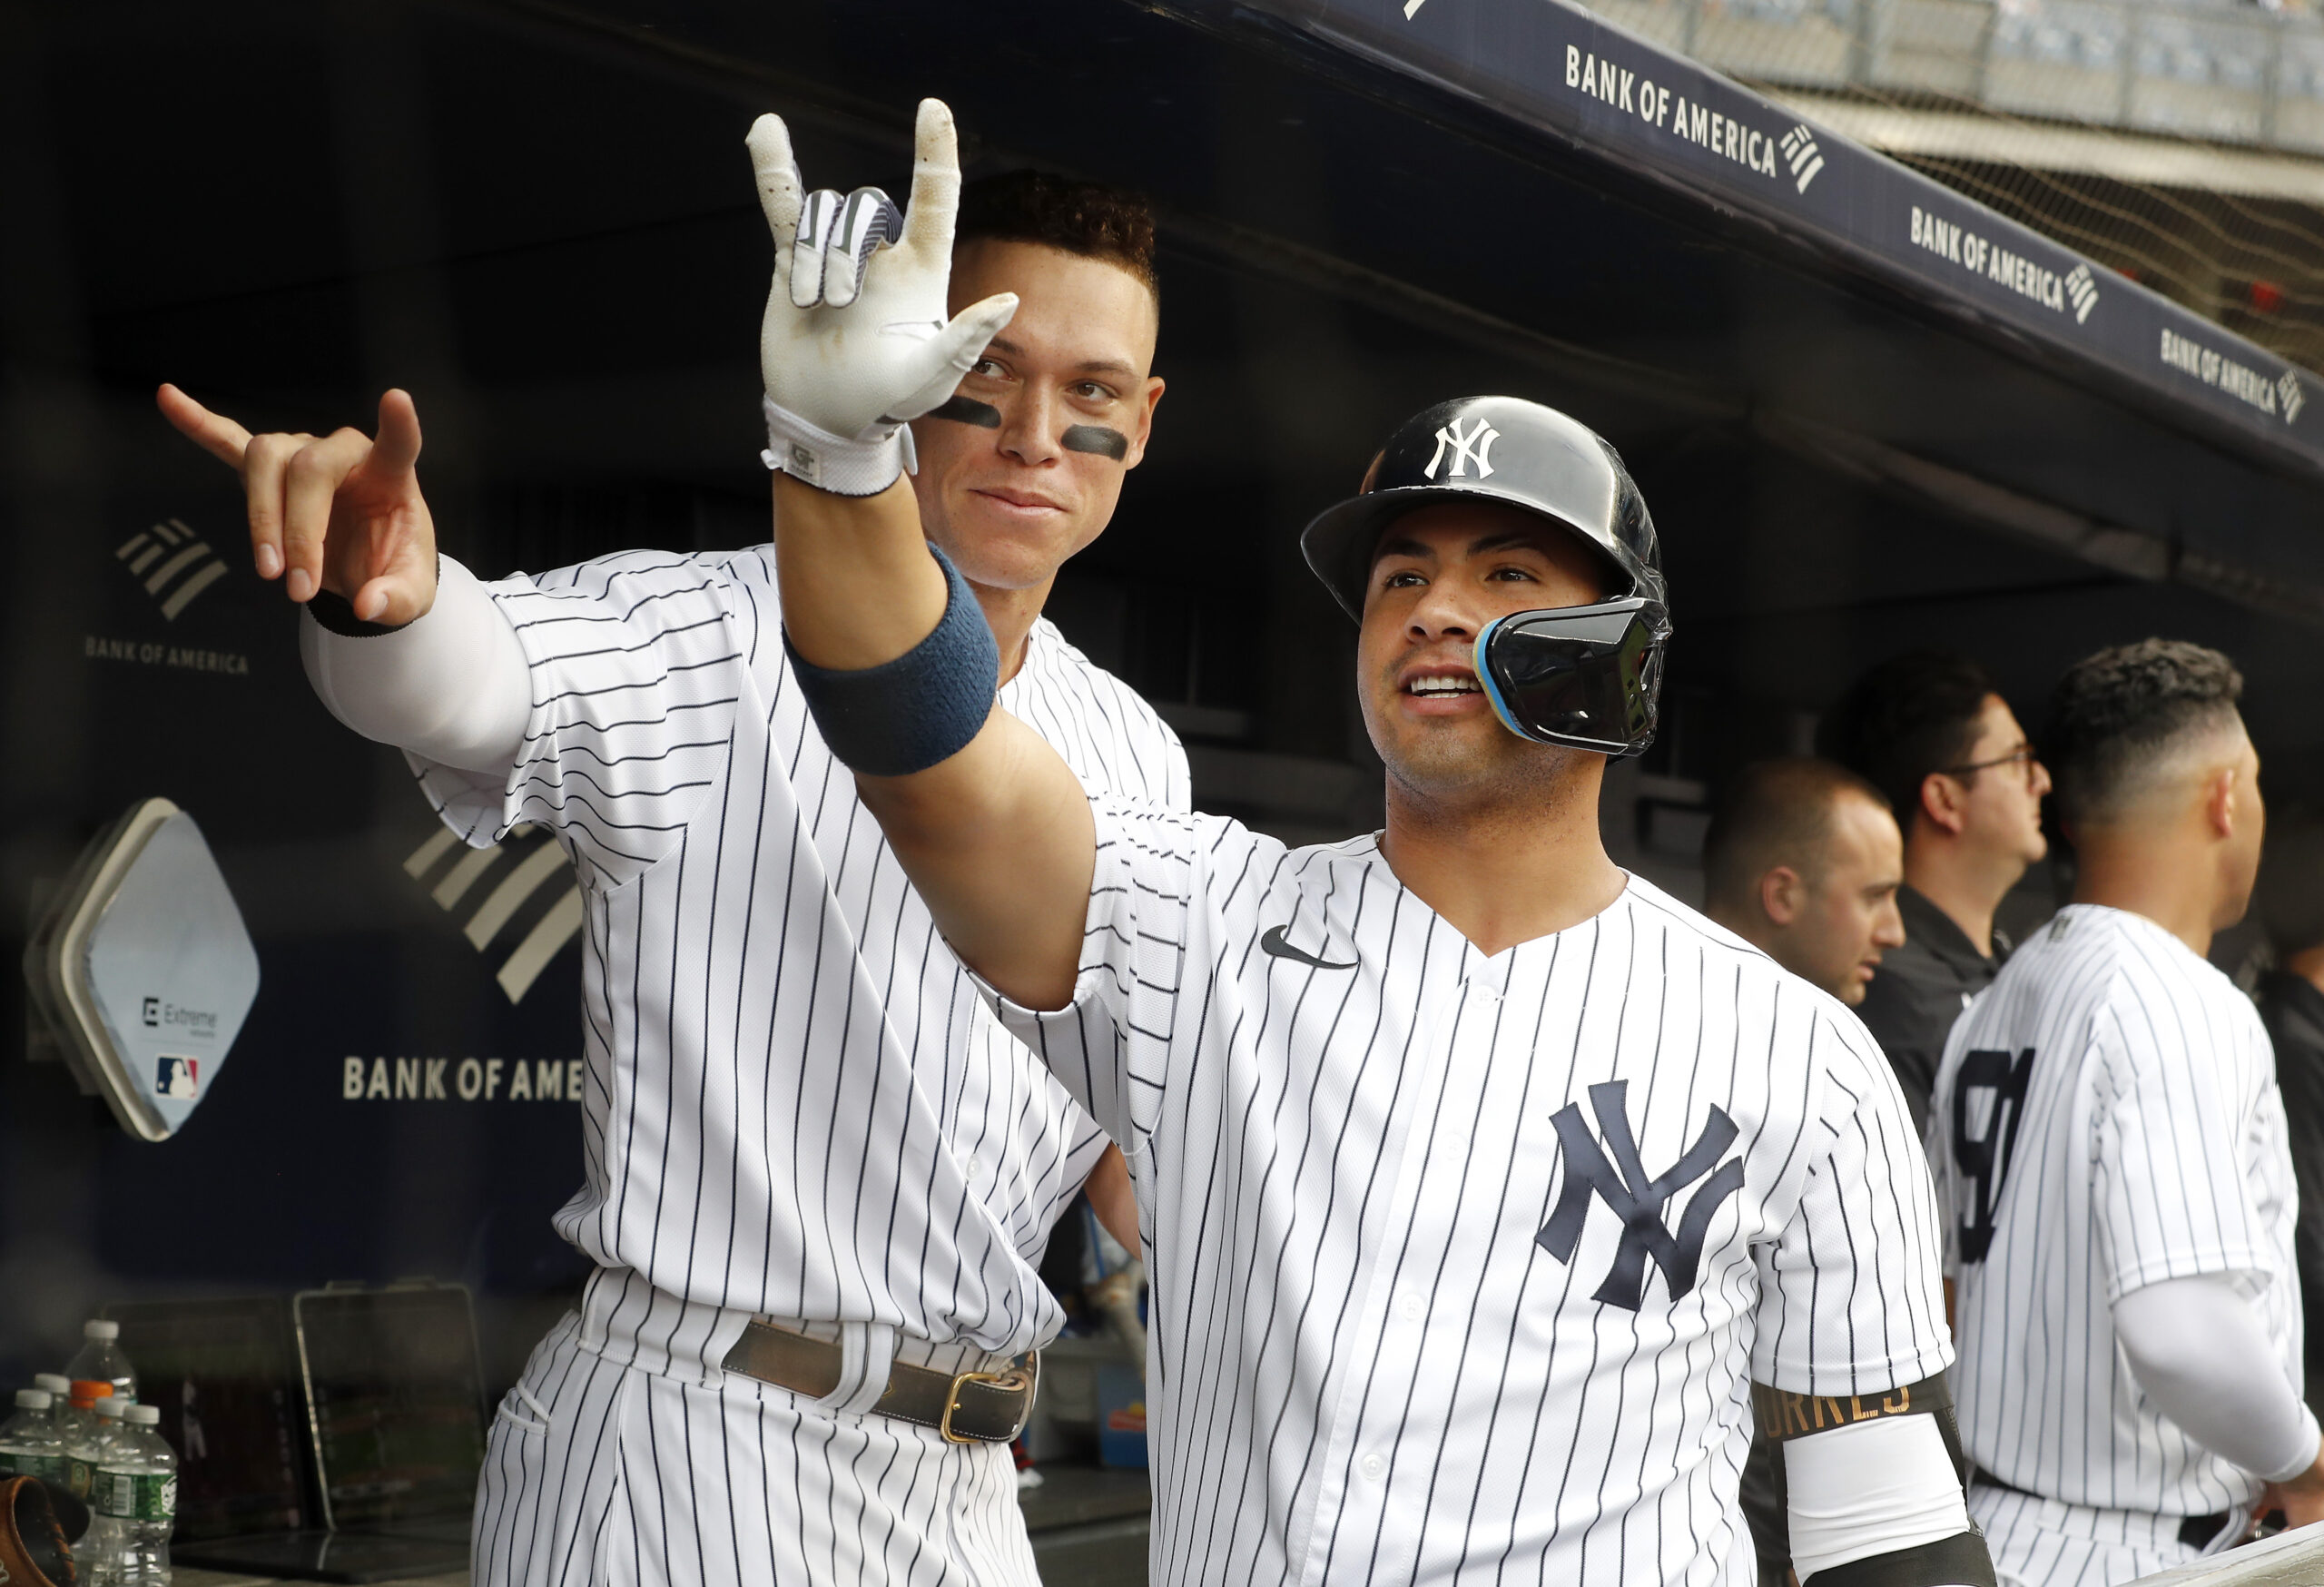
(1492, 687)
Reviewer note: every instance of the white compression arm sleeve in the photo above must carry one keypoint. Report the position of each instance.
(1870, 1488)
(452, 686)
(2198, 1351)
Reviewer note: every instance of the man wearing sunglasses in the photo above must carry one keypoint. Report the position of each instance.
(1484, 1189)
(1931, 732)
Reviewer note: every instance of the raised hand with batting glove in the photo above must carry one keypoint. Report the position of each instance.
(855, 343)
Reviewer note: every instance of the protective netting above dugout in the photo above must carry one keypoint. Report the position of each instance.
(2181, 143)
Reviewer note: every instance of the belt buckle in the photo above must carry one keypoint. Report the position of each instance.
(953, 1400)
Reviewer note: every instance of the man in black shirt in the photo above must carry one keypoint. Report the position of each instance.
(1931, 732)
(2290, 905)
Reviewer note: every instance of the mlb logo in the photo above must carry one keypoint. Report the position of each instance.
(177, 1077)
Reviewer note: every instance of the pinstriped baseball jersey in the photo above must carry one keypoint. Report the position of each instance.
(1460, 1264)
(796, 1104)
(2106, 1117)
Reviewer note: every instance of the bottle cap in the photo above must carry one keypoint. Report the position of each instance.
(55, 1382)
(88, 1391)
(32, 1399)
(109, 1406)
(144, 1415)
(100, 1328)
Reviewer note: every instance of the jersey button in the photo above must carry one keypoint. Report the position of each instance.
(1411, 1307)
(1374, 1468)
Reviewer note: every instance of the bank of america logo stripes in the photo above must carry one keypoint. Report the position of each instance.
(516, 889)
(1800, 152)
(174, 563)
(2081, 286)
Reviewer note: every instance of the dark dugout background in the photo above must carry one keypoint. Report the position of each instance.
(540, 219)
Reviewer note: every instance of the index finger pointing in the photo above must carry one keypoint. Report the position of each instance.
(216, 434)
(935, 182)
(395, 448)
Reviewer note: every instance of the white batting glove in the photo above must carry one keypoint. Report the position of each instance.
(855, 341)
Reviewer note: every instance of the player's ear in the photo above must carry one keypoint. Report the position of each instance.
(2219, 801)
(1941, 801)
(1781, 894)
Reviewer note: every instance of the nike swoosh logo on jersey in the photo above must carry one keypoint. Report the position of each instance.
(1272, 942)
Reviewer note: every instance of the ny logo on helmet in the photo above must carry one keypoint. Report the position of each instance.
(1635, 1199)
(1475, 446)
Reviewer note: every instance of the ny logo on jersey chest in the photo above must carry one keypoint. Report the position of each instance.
(1635, 1198)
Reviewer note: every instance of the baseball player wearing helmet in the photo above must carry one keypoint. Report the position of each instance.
(2111, 1148)
(819, 1178)
(1484, 1189)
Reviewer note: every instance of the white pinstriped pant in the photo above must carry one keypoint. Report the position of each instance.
(2042, 1542)
(600, 1473)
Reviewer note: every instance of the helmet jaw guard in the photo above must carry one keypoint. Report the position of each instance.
(1585, 678)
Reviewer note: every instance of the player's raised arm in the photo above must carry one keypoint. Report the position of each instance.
(893, 652)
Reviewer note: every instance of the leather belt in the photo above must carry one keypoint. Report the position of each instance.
(2195, 1531)
(966, 1407)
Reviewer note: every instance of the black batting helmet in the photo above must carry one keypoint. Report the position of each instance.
(1491, 449)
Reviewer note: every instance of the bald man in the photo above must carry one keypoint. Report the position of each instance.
(1803, 862)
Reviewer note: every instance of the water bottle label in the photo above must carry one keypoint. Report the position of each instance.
(138, 1495)
(78, 1476)
(52, 1468)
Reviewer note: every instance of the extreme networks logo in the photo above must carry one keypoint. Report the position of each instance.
(182, 565)
(508, 907)
(158, 1013)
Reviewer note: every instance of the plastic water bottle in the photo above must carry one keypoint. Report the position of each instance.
(99, 1548)
(137, 1492)
(101, 1369)
(29, 1444)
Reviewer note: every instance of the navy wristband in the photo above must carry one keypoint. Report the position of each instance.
(907, 715)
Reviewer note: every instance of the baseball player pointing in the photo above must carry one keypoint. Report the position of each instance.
(1479, 1183)
(819, 1178)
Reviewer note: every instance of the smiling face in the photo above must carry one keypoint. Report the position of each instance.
(1440, 575)
(1011, 500)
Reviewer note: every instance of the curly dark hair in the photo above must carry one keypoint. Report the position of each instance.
(1909, 716)
(2112, 713)
(1082, 218)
